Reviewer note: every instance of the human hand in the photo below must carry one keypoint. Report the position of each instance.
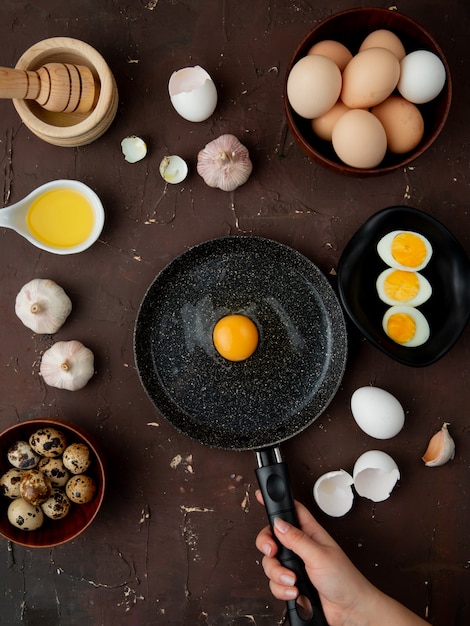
(339, 584)
(347, 597)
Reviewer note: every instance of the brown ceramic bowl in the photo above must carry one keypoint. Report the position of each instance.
(350, 27)
(52, 532)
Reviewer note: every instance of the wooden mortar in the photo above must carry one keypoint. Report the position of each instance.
(69, 129)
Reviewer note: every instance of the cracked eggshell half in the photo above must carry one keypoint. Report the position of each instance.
(377, 412)
(333, 493)
(375, 475)
(192, 93)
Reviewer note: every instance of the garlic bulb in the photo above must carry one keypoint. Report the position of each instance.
(67, 365)
(43, 306)
(441, 448)
(224, 163)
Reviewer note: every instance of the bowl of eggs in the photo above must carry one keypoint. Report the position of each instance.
(367, 91)
(52, 482)
(403, 281)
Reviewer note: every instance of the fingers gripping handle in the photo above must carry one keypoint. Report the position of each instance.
(274, 482)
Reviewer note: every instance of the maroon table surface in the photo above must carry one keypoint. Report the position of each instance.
(174, 541)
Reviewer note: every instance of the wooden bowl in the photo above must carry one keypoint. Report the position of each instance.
(351, 27)
(52, 532)
(69, 129)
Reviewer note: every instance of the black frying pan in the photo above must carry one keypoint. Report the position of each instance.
(260, 402)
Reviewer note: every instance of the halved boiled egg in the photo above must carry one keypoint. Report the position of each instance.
(405, 249)
(235, 337)
(403, 287)
(406, 325)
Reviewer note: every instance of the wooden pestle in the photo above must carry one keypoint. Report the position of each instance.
(59, 87)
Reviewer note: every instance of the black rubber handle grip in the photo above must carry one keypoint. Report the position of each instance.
(274, 483)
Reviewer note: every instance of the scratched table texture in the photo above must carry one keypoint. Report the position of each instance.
(174, 541)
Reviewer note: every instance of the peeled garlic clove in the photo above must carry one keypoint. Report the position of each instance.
(441, 448)
(67, 365)
(173, 169)
(224, 163)
(133, 148)
(43, 306)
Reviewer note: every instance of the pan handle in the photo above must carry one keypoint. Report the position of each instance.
(274, 481)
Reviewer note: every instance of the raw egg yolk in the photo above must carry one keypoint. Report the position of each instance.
(235, 337)
(401, 286)
(408, 249)
(401, 327)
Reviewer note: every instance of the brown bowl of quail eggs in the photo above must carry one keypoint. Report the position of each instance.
(52, 482)
(367, 91)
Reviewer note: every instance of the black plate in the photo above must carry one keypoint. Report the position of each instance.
(287, 382)
(448, 271)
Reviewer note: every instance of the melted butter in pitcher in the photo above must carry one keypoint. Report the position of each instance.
(61, 218)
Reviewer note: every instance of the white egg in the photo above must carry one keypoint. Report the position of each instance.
(377, 412)
(403, 287)
(193, 93)
(422, 76)
(405, 250)
(333, 493)
(406, 325)
(375, 475)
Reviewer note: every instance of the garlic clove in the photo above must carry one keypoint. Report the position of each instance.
(67, 365)
(224, 163)
(441, 448)
(43, 306)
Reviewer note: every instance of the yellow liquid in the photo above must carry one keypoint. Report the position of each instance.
(61, 218)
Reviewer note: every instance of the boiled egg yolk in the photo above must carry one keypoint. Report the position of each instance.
(401, 327)
(408, 249)
(403, 287)
(235, 337)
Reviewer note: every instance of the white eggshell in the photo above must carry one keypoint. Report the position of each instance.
(375, 475)
(333, 493)
(377, 412)
(193, 93)
(422, 76)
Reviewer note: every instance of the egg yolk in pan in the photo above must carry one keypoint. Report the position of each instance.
(235, 337)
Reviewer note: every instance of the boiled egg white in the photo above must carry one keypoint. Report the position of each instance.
(375, 475)
(406, 325)
(405, 249)
(377, 412)
(396, 287)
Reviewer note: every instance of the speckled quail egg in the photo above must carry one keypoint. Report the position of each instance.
(22, 455)
(57, 505)
(80, 489)
(77, 458)
(24, 515)
(10, 483)
(55, 469)
(48, 442)
(35, 487)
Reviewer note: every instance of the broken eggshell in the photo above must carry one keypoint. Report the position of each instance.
(375, 475)
(173, 169)
(333, 493)
(133, 148)
(193, 93)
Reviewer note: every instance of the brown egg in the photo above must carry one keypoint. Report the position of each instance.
(334, 50)
(403, 123)
(313, 85)
(383, 38)
(323, 126)
(359, 139)
(35, 487)
(369, 78)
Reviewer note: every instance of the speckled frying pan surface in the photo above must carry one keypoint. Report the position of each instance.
(294, 372)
